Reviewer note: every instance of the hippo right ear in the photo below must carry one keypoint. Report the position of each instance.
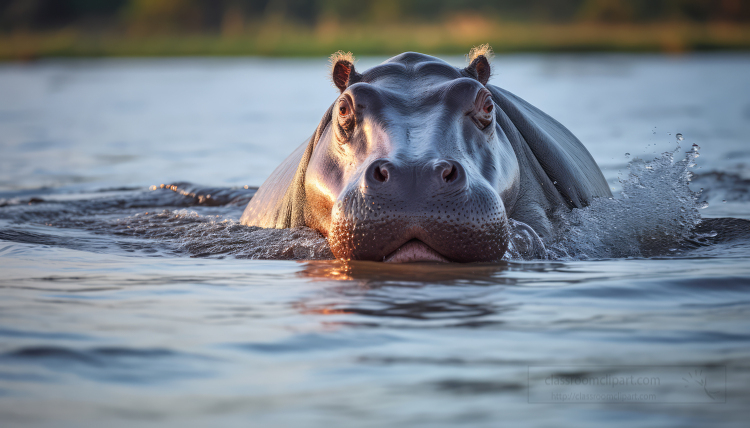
(342, 70)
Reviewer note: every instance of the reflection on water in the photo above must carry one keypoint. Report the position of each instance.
(369, 274)
(369, 285)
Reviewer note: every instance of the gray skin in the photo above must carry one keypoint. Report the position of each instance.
(418, 160)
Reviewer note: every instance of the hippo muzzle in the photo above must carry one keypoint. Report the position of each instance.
(426, 211)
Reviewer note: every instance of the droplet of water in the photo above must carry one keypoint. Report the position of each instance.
(703, 205)
(724, 201)
(679, 137)
(554, 182)
(627, 154)
(696, 147)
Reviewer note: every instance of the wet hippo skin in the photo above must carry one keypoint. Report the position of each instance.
(418, 160)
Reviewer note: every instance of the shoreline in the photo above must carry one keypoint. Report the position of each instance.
(286, 40)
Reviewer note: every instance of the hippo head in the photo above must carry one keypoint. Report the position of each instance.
(412, 166)
(417, 160)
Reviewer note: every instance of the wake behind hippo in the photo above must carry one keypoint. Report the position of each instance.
(418, 160)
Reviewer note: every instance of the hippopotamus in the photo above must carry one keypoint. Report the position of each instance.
(419, 160)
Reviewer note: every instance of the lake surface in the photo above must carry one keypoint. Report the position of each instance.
(124, 302)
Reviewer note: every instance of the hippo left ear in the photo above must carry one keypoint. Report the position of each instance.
(343, 72)
(479, 67)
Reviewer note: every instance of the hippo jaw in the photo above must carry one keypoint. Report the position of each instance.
(437, 242)
(409, 228)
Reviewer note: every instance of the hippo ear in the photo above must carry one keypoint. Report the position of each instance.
(342, 71)
(479, 63)
(480, 69)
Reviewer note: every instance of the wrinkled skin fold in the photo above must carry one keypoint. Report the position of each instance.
(418, 160)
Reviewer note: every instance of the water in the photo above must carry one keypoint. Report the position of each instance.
(124, 302)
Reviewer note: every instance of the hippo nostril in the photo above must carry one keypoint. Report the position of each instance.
(380, 174)
(450, 174)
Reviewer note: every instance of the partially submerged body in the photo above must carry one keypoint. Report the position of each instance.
(418, 160)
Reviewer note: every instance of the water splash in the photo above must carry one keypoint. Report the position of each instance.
(524, 243)
(654, 213)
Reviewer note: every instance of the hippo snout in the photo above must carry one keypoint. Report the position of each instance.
(419, 212)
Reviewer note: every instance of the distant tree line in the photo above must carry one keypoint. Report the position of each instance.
(217, 15)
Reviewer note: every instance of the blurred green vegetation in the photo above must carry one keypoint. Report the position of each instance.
(38, 28)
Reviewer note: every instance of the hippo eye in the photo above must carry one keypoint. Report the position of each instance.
(488, 106)
(484, 106)
(345, 117)
(344, 109)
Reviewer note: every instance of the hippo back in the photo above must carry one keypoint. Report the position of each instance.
(280, 201)
(564, 159)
